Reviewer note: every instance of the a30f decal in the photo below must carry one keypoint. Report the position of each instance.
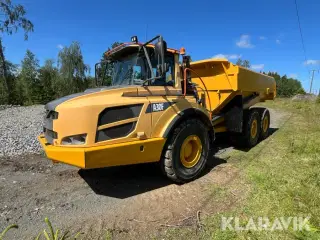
(158, 107)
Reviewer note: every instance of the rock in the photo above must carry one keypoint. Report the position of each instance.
(304, 97)
(19, 127)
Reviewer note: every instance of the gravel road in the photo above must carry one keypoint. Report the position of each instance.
(130, 201)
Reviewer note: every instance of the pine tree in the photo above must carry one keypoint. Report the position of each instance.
(48, 76)
(28, 81)
(243, 63)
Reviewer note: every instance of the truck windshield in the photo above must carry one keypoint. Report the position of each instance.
(128, 71)
(132, 69)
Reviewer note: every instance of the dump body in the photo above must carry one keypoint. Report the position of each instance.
(224, 80)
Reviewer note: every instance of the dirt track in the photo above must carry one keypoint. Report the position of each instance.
(130, 201)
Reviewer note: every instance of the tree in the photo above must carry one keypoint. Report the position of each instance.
(5, 95)
(246, 64)
(89, 82)
(104, 71)
(28, 81)
(286, 87)
(12, 18)
(115, 44)
(3, 92)
(48, 76)
(243, 63)
(72, 69)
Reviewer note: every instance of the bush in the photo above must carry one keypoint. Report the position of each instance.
(287, 87)
(3, 93)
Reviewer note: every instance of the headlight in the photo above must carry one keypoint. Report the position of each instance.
(74, 140)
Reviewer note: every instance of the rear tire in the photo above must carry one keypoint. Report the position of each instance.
(251, 128)
(265, 123)
(186, 152)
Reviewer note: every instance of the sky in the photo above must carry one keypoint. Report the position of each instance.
(265, 32)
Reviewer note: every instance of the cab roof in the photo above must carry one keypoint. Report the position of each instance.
(130, 44)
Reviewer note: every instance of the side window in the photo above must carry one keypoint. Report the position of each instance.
(137, 75)
(170, 81)
(155, 71)
(137, 72)
(169, 77)
(169, 74)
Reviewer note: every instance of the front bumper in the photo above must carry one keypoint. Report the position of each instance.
(140, 151)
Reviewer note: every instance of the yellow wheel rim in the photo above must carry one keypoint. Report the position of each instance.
(190, 151)
(254, 128)
(265, 124)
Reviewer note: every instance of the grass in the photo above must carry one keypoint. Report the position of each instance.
(3, 233)
(52, 234)
(283, 173)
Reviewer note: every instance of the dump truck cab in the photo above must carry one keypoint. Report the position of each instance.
(158, 107)
(130, 66)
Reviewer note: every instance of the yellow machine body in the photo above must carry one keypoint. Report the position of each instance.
(143, 144)
(224, 80)
(156, 109)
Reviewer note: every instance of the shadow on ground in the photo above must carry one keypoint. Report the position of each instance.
(127, 181)
(225, 141)
(124, 181)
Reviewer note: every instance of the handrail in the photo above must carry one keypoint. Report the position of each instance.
(185, 84)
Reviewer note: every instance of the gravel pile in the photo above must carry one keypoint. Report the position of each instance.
(2, 107)
(19, 128)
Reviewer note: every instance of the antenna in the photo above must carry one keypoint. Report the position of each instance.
(147, 32)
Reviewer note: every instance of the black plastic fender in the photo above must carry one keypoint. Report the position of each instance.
(186, 114)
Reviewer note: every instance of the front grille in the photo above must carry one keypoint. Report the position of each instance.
(50, 135)
(115, 132)
(115, 114)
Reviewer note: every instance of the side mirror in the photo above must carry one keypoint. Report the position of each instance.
(160, 49)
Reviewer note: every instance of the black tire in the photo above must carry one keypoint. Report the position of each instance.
(171, 163)
(265, 116)
(249, 140)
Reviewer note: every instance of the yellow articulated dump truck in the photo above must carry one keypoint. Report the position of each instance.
(160, 107)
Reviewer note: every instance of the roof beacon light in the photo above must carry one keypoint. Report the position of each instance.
(182, 51)
(134, 39)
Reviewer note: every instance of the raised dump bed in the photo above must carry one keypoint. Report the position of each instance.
(224, 80)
